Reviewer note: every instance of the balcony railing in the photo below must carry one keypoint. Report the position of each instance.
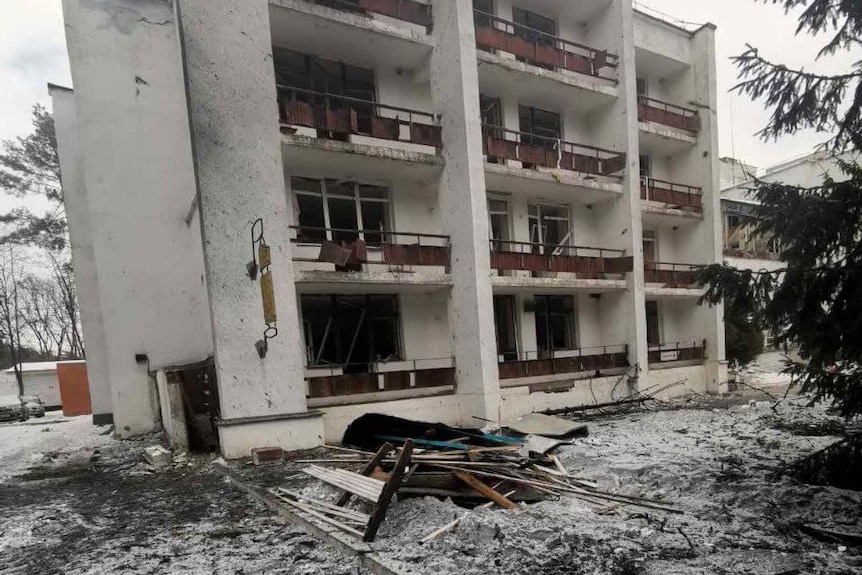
(671, 275)
(533, 150)
(587, 262)
(336, 117)
(347, 248)
(560, 361)
(677, 351)
(652, 110)
(678, 196)
(406, 10)
(375, 377)
(542, 49)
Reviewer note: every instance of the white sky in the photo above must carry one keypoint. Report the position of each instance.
(33, 52)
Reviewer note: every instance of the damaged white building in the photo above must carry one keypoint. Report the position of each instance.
(447, 210)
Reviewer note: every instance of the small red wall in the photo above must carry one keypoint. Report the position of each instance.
(74, 388)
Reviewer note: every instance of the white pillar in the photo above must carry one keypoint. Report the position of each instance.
(455, 91)
(230, 82)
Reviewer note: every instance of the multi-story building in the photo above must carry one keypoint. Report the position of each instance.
(447, 210)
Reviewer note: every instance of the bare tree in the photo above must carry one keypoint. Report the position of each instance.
(36, 300)
(10, 311)
(67, 312)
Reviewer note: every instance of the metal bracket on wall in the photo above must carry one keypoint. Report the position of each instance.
(260, 266)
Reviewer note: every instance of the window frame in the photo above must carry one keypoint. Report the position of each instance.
(325, 194)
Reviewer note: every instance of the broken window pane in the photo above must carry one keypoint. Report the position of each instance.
(555, 324)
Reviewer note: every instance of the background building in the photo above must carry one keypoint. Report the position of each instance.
(457, 211)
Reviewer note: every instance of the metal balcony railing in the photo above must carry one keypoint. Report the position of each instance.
(671, 274)
(679, 196)
(406, 10)
(677, 351)
(542, 49)
(500, 143)
(336, 117)
(552, 362)
(375, 377)
(653, 110)
(587, 262)
(343, 247)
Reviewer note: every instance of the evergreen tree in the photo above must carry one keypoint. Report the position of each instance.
(815, 300)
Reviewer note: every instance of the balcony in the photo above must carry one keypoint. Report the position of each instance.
(673, 196)
(585, 262)
(694, 351)
(666, 114)
(541, 49)
(379, 377)
(590, 360)
(534, 151)
(373, 256)
(339, 118)
(671, 275)
(405, 10)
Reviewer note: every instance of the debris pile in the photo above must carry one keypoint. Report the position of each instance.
(473, 468)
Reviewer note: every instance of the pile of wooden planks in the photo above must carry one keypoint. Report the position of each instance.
(472, 475)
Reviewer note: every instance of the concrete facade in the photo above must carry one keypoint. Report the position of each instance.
(380, 165)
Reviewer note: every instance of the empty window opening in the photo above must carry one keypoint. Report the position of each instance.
(499, 223)
(549, 228)
(653, 323)
(650, 246)
(505, 324)
(534, 27)
(555, 324)
(351, 331)
(540, 127)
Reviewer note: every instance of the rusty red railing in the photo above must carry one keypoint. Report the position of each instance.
(677, 351)
(679, 196)
(542, 49)
(671, 274)
(337, 115)
(653, 110)
(532, 150)
(586, 262)
(376, 377)
(406, 10)
(553, 362)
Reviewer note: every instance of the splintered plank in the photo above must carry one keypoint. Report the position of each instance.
(368, 470)
(389, 490)
(483, 488)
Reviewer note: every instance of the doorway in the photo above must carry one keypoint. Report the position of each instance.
(555, 324)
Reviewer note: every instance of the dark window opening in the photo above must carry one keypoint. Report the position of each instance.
(534, 27)
(505, 327)
(645, 166)
(555, 324)
(541, 123)
(549, 227)
(653, 323)
(486, 7)
(642, 86)
(351, 331)
(345, 207)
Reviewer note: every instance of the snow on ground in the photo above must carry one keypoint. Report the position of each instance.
(67, 511)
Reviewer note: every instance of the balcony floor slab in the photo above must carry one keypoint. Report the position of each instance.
(318, 157)
(370, 39)
(657, 214)
(663, 140)
(316, 281)
(536, 86)
(511, 285)
(657, 292)
(555, 185)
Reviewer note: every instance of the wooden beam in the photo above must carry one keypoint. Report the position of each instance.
(483, 488)
(367, 470)
(388, 492)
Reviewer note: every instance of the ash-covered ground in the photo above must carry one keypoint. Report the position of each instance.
(66, 510)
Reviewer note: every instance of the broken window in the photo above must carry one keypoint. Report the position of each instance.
(642, 86)
(653, 323)
(498, 223)
(549, 227)
(645, 166)
(341, 211)
(485, 7)
(506, 327)
(650, 246)
(544, 125)
(555, 324)
(534, 27)
(351, 331)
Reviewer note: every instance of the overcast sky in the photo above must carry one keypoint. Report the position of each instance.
(33, 52)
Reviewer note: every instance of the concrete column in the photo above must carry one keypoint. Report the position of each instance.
(455, 91)
(705, 166)
(230, 83)
(618, 130)
(83, 258)
(133, 137)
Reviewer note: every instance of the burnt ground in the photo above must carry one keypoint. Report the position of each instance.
(75, 501)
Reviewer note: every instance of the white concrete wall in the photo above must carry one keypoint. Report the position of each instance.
(78, 213)
(661, 38)
(137, 165)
